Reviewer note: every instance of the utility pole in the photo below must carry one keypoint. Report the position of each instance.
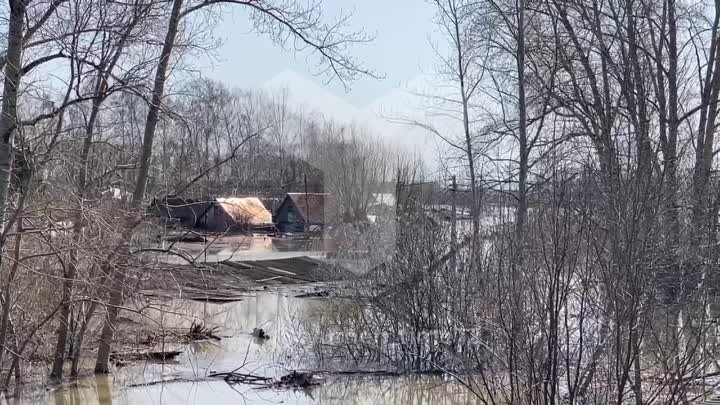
(398, 187)
(307, 209)
(453, 230)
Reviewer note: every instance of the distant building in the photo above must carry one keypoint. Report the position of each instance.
(381, 205)
(247, 213)
(217, 215)
(181, 211)
(300, 212)
(383, 199)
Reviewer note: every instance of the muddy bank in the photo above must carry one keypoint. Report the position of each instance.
(226, 281)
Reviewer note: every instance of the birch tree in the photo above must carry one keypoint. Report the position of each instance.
(463, 66)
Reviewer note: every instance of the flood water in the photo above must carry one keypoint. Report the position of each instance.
(184, 380)
(409, 390)
(240, 247)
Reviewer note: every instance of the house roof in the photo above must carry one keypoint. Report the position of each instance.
(249, 210)
(180, 208)
(314, 205)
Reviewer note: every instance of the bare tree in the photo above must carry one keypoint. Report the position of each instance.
(464, 67)
(112, 48)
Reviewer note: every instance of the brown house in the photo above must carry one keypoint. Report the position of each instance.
(301, 212)
(247, 213)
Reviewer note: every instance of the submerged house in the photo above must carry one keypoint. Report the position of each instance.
(182, 211)
(216, 215)
(246, 214)
(300, 212)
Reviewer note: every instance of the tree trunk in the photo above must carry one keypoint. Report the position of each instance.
(100, 92)
(5, 296)
(705, 135)
(75, 366)
(516, 284)
(8, 117)
(8, 126)
(154, 110)
(474, 208)
(118, 275)
(71, 269)
(521, 214)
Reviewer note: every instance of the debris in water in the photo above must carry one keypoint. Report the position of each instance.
(260, 333)
(216, 299)
(292, 380)
(187, 237)
(296, 380)
(234, 377)
(199, 331)
(129, 321)
(318, 294)
(120, 359)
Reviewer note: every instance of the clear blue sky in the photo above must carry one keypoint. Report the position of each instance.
(401, 50)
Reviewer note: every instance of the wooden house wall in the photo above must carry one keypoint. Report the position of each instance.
(218, 220)
(288, 219)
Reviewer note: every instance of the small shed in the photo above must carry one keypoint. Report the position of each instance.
(303, 211)
(246, 213)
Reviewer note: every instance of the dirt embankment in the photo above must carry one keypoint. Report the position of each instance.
(226, 281)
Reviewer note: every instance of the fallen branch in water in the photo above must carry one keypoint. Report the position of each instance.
(374, 373)
(199, 331)
(241, 378)
(150, 356)
(296, 380)
(292, 380)
(158, 382)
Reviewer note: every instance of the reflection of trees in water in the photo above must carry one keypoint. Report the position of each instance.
(410, 390)
(273, 311)
(104, 389)
(279, 313)
(96, 390)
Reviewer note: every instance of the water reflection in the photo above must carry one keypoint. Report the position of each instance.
(278, 313)
(240, 247)
(88, 391)
(104, 389)
(402, 391)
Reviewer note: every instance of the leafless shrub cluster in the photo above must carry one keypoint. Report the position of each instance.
(590, 127)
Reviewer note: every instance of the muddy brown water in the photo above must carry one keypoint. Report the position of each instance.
(409, 390)
(184, 380)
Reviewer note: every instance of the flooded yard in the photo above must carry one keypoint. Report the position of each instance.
(402, 391)
(243, 247)
(285, 318)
